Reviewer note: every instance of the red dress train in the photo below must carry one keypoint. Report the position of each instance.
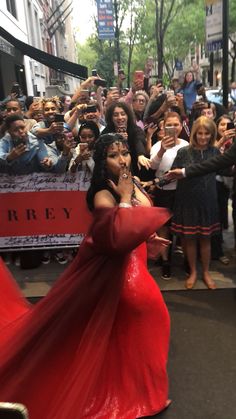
(96, 346)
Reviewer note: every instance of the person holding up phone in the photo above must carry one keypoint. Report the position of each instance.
(49, 128)
(224, 185)
(82, 160)
(162, 156)
(13, 107)
(20, 151)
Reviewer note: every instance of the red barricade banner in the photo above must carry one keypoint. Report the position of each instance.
(43, 210)
(46, 212)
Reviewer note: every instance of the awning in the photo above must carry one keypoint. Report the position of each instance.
(58, 64)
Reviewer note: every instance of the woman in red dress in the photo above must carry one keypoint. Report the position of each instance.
(96, 346)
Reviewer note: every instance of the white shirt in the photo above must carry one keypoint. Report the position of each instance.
(164, 164)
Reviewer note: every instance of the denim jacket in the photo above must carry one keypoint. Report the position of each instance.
(28, 162)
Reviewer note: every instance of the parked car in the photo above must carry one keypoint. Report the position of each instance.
(214, 95)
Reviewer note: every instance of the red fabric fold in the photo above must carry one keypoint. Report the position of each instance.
(97, 344)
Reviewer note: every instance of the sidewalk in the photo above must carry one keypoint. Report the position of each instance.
(37, 282)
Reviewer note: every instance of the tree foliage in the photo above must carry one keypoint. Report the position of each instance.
(164, 29)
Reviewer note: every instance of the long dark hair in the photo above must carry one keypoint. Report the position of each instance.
(131, 125)
(100, 177)
(225, 116)
(187, 82)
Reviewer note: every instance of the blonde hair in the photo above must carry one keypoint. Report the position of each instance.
(208, 124)
(54, 99)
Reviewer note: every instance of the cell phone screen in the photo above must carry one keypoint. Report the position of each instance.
(170, 131)
(59, 117)
(230, 125)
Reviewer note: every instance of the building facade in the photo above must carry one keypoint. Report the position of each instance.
(47, 26)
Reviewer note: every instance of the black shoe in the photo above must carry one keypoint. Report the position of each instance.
(60, 258)
(166, 274)
(46, 258)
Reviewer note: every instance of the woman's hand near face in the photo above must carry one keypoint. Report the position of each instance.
(227, 136)
(125, 186)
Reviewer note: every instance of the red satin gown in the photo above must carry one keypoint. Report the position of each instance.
(96, 346)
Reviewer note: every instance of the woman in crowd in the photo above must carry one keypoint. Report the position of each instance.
(48, 129)
(195, 216)
(139, 103)
(189, 90)
(97, 344)
(82, 160)
(224, 185)
(163, 154)
(120, 119)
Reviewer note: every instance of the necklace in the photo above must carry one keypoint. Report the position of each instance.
(134, 200)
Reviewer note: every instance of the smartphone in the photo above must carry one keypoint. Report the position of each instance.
(59, 117)
(90, 109)
(230, 125)
(170, 131)
(100, 82)
(170, 93)
(16, 89)
(138, 76)
(18, 141)
(94, 72)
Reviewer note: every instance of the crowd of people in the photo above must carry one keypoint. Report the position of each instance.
(165, 127)
(97, 344)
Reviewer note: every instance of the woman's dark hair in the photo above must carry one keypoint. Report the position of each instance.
(109, 115)
(12, 118)
(185, 81)
(131, 125)
(225, 116)
(90, 125)
(28, 101)
(99, 177)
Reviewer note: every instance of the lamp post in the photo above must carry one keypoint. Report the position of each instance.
(225, 42)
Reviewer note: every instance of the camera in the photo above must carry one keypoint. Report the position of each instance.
(94, 73)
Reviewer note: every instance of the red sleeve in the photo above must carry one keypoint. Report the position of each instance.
(120, 230)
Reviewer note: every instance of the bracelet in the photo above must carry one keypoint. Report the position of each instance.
(124, 205)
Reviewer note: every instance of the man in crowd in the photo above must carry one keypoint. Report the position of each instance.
(20, 151)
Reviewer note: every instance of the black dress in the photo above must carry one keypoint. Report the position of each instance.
(196, 207)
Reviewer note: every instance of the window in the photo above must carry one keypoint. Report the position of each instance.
(11, 7)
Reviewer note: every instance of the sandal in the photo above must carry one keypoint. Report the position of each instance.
(224, 260)
(211, 285)
(190, 283)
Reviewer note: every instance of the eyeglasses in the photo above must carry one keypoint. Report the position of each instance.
(140, 100)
